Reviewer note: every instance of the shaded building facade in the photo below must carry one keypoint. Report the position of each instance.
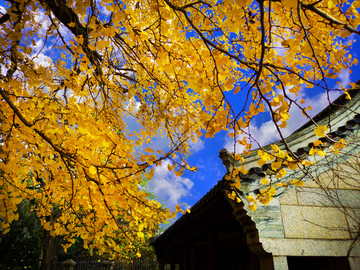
(315, 226)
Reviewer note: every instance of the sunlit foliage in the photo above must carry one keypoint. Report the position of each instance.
(67, 145)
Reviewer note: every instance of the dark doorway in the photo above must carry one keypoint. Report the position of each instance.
(318, 263)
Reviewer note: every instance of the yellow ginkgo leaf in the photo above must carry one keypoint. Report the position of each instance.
(320, 131)
(253, 207)
(179, 172)
(92, 170)
(297, 182)
(264, 181)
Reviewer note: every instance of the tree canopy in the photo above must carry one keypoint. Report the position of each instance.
(74, 75)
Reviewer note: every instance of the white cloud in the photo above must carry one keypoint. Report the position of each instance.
(103, 9)
(158, 142)
(197, 146)
(168, 187)
(344, 77)
(39, 54)
(43, 20)
(266, 133)
(42, 60)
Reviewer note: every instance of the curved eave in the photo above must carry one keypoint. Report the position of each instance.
(343, 114)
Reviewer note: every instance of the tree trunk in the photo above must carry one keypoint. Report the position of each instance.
(49, 254)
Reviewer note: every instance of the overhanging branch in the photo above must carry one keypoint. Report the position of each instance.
(329, 18)
(71, 20)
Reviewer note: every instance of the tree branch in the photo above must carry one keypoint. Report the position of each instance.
(6, 97)
(67, 16)
(4, 18)
(329, 18)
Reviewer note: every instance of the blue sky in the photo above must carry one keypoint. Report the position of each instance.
(191, 186)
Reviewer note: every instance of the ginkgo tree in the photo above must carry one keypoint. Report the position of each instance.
(182, 69)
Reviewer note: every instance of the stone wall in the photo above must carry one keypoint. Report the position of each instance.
(321, 218)
(326, 207)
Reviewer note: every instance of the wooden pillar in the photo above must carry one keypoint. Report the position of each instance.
(186, 252)
(192, 257)
(266, 262)
(172, 259)
(212, 247)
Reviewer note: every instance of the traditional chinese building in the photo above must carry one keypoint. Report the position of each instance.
(315, 226)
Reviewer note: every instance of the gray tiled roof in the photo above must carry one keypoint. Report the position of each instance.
(344, 129)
